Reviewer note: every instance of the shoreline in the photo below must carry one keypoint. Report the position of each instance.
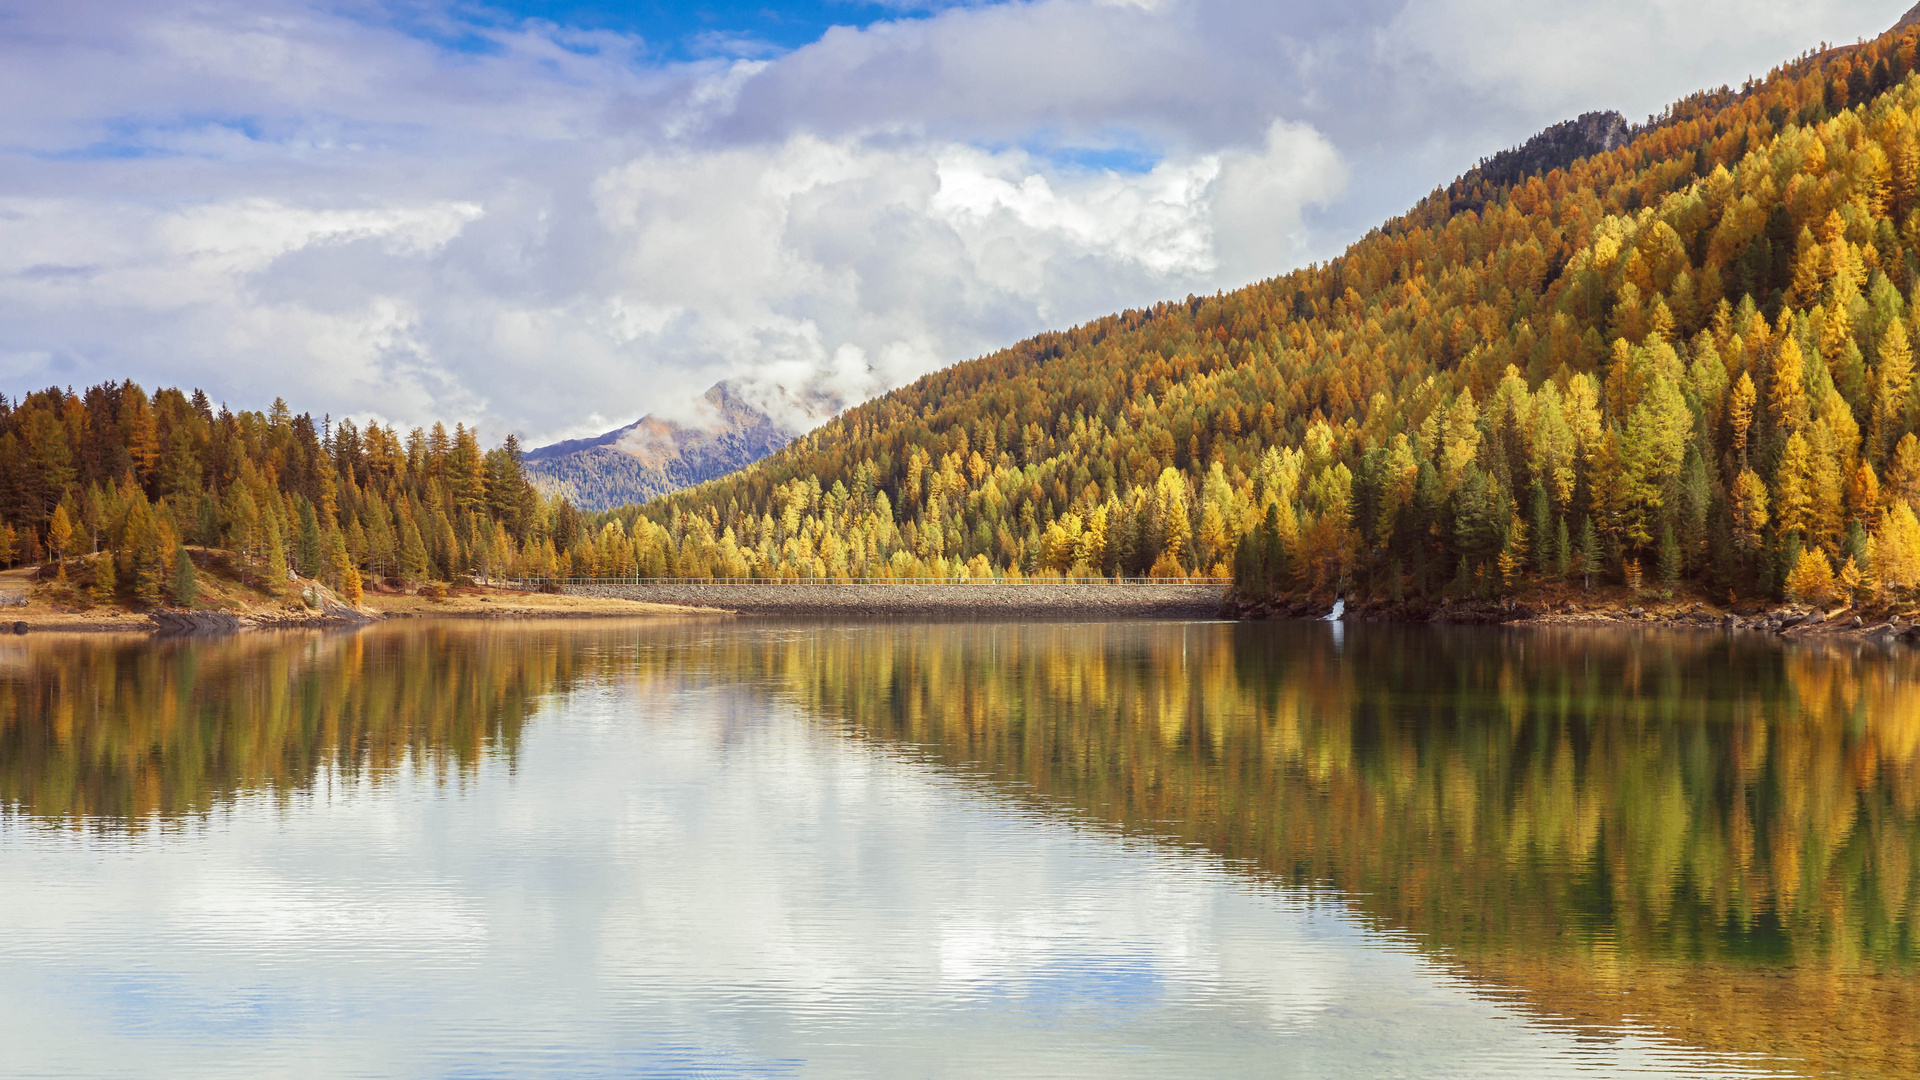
(1070, 600)
(1791, 621)
(40, 615)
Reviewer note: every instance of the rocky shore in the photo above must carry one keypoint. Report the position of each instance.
(1791, 620)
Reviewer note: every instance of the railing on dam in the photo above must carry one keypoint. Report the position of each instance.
(536, 584)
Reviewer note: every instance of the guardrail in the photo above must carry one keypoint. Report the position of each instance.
(537, 583)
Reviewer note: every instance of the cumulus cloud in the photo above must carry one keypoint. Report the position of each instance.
(546, 230)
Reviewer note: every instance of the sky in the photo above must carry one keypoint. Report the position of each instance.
(550, 217)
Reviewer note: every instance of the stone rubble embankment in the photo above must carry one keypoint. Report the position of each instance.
(1049, 600)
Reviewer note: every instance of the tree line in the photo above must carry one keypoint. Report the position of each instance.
(138, 478)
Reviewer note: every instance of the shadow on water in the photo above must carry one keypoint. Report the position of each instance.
(1713, 835)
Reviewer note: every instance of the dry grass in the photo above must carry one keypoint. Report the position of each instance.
(66, 606)
(483, 600)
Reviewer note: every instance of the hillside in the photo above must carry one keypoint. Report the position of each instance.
(1682, 360)
(1675, 357)
(653, 456)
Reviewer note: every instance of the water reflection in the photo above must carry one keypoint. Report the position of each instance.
(112, 730)
(1712, 836)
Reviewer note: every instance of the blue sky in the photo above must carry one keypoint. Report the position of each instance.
(697, 28)
(553, 216)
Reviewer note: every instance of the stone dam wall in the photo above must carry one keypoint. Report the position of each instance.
(1061, 601)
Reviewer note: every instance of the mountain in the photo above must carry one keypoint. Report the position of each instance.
(1670, 356)
(653, 456)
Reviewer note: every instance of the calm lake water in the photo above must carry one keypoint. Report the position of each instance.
(723, 849)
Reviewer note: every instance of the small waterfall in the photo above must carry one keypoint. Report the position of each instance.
(1339, 609)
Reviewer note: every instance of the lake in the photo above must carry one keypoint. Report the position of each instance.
(710, 848)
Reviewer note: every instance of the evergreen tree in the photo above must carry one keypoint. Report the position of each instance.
(274, 562)
(413, 553)
(60, 531)
(308, 543)
(1589, 553)
(105, 580)
(1668, 558)
(1544, 553)
(340, 573)
(186, 584)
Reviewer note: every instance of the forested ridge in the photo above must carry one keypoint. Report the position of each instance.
(1683, 361)
(1688, 358)
(139, 478)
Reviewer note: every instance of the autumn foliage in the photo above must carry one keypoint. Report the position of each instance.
(1687, 359)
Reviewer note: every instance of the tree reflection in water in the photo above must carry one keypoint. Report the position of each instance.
(1715, 835)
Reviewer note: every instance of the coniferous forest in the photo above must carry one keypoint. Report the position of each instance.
(1686, 361)
(115, 471)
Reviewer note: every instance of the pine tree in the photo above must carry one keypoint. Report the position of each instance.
(1589, 553)
(1544, 552)
(1668, 564)
(1894, 380)
(1740, 404)
(413, 553)
(308, 544)
(340, 573)
(1811, 578)
(60, 531)
(1897, 548)
(1561, 547)
(1793, 486)
(105, 579)
(275, 560)
(186, 585)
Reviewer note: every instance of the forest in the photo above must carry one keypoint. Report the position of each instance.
(140, 478)
(1682, 363)
(1686, 361)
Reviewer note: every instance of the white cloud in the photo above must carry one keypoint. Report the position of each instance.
(556, 234)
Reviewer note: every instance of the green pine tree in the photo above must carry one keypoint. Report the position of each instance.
(413, 553)
(1543, 553)
(186, 585)
(106, 579)
(1560, 547)
(1589, 553)
(1667, 565)
(275, 573)
(308, 543)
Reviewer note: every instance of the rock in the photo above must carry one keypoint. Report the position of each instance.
(1791, 621)
(20, 628)
(1634, 613)
(1814, 619)
(194, 622)
(1858, 622)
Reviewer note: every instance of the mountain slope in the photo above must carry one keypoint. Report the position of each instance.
(1684, 358)
(654, 456)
